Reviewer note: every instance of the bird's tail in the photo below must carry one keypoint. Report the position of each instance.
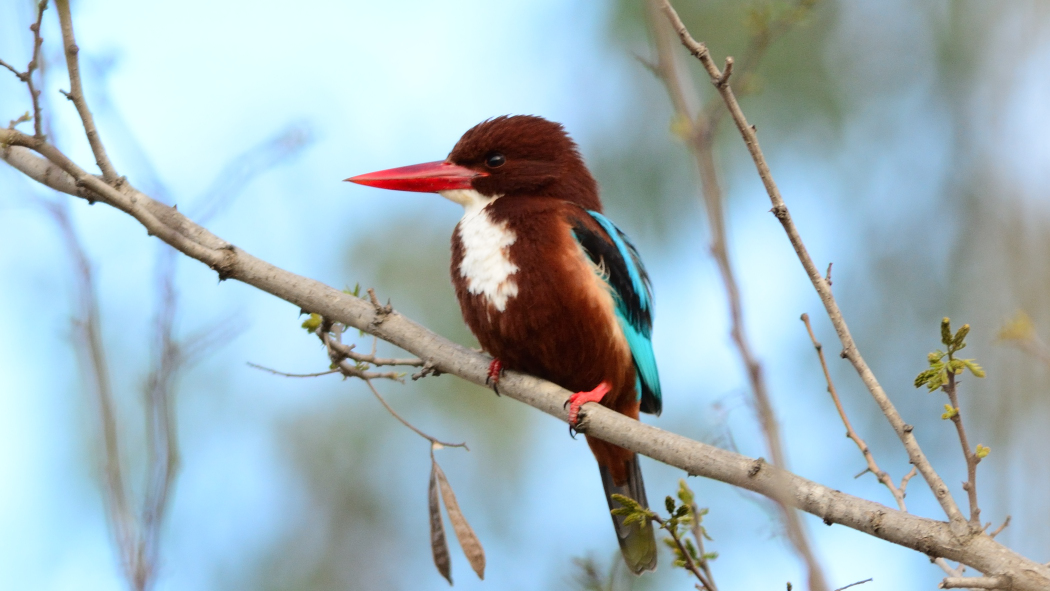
(637, 541)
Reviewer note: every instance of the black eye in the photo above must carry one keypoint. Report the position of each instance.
(495, 160)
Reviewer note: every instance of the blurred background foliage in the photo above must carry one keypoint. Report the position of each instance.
(909, 139)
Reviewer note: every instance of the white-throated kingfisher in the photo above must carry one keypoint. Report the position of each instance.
(547, 284)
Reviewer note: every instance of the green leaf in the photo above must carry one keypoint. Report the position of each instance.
(949, 412)
(939, 379)
(946, 331)
(982, 451)
(956, 366)
(312, 323)
(627, 502)
(691, 549)
(960, 337)
(925, 376)
(975, 369)
(936, 356)
(636, 517)
(685, 494)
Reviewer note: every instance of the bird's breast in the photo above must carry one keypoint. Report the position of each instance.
(486, 266)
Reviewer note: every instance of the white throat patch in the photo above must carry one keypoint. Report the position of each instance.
(486, 263)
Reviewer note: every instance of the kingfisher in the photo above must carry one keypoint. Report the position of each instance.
(548, 284)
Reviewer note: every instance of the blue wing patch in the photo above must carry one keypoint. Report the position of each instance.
(629, 281)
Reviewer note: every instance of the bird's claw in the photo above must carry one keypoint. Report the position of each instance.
(495, 372)
(580, 426)
(576, 402)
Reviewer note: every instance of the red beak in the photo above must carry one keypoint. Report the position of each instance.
(430, 177)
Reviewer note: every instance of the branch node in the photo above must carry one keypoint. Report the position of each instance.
(726, 73)
(381, 311)
(780, 210)
(428, 369)
(756, 467)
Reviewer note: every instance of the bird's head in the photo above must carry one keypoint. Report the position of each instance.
(521, 156)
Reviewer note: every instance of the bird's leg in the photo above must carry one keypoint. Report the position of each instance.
(495, 371)
(578, 399)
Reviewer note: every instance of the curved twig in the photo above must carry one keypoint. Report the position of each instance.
(823, 288)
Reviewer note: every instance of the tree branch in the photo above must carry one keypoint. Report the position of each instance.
(951, 389)
(925, 535)
(822, 286)
(698, 133)
(76, 92)
(96, 373)
(898, 492)
(937, 539)
(1001, 582)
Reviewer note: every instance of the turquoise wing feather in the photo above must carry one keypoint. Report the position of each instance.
(632, 291)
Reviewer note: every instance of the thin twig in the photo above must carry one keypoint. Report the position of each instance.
(330, 334)
(76, 93)
(1000, 529)
(867, 580)
(948, 569)
(700, 139)
(394, 414)
(34, 63)
(96, 367)
(873, 467)
(293, 375)
(371, 359)
(12, 68)
(970, 486)
(27, 76)
(850, 351)
(698, 535)
(690, 564)
(169, 358)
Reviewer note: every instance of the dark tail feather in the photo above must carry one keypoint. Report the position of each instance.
(637, 542)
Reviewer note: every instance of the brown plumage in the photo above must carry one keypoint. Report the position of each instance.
(547, 285)
(541, 161)
(561, 326)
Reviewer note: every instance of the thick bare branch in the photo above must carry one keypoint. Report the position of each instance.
(1001, 582)
(925, 535)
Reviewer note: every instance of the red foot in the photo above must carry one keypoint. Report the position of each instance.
(580, 398)
(495, 371)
